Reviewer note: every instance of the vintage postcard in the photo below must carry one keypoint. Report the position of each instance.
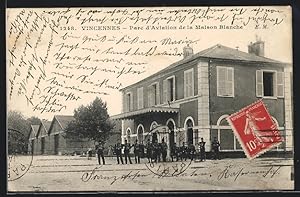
(149, 99)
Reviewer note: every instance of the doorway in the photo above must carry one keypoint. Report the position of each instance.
(140, 134)
(43, 145)
(32, 146)
(154, 137)
(171, 127)
(190, 131)
(56, 144)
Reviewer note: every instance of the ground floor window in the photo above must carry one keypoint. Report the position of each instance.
(128, 133)
(225, 135)
(171, 127)
(190, 131)
(227, 139)
(140, 132)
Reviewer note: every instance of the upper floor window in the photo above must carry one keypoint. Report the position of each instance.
(189, 83)
(169, 89)
(129, 101)
(269, 83)
(225, 81)
(153, 94)
(140, 97)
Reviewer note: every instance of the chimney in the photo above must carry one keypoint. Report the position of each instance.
(257, 48)
(187, 51)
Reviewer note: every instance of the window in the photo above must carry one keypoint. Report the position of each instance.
(169, 89)
(225, 135)
(153, 94)
(153, 125)
(140, 97)
(129, 102)
(269, 84)
(225, 81)
(128, 133)
(140, 132)
(189, 83)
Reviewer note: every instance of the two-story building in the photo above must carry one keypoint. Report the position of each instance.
(193, 97)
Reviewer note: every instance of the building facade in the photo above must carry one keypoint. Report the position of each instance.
(191, 98)
(33, 144)
(49, 138)
(43, 138)
(60, 143)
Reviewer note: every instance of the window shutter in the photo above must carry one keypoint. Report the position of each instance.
(127, 102)
(188, 83)
(165, 91)
(140, 98)
(280, 84)
(157, 94)
(174, 89)
(221, 79)
(191, 83)
(124, 102)
(229, 82)
(185, 78)
(259, 83)
(131, 101)
(149, 96)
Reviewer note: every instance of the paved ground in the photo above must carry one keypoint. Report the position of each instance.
(74, 173)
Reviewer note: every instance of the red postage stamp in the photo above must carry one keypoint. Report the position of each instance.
(255, 129)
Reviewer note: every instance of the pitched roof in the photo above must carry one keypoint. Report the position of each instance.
(64, 120)
(34, 130)
(45, 124)
(221, 52)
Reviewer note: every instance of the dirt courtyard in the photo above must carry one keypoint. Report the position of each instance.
(74, 173)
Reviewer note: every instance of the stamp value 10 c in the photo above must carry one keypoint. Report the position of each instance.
(255, 129)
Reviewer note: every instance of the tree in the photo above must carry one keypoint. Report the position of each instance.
(91, 121)
(34, 120)
(18, 136)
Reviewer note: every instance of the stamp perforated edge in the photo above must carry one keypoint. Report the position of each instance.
(238, 136)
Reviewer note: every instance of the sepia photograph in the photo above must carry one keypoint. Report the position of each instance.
(151, 99)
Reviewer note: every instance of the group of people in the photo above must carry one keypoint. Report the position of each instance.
(157, 152)
(154, 151)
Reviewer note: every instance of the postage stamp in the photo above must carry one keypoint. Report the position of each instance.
(255, 129)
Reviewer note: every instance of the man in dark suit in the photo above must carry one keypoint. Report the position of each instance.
(118, 151)
(164, 149)
(215, 148)
(100, 153)
(174, 152)
(127, 148)
(183, 152)
(191, 151)
(137, 152)
(156, 151)
(149, 151)
(202, 150)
